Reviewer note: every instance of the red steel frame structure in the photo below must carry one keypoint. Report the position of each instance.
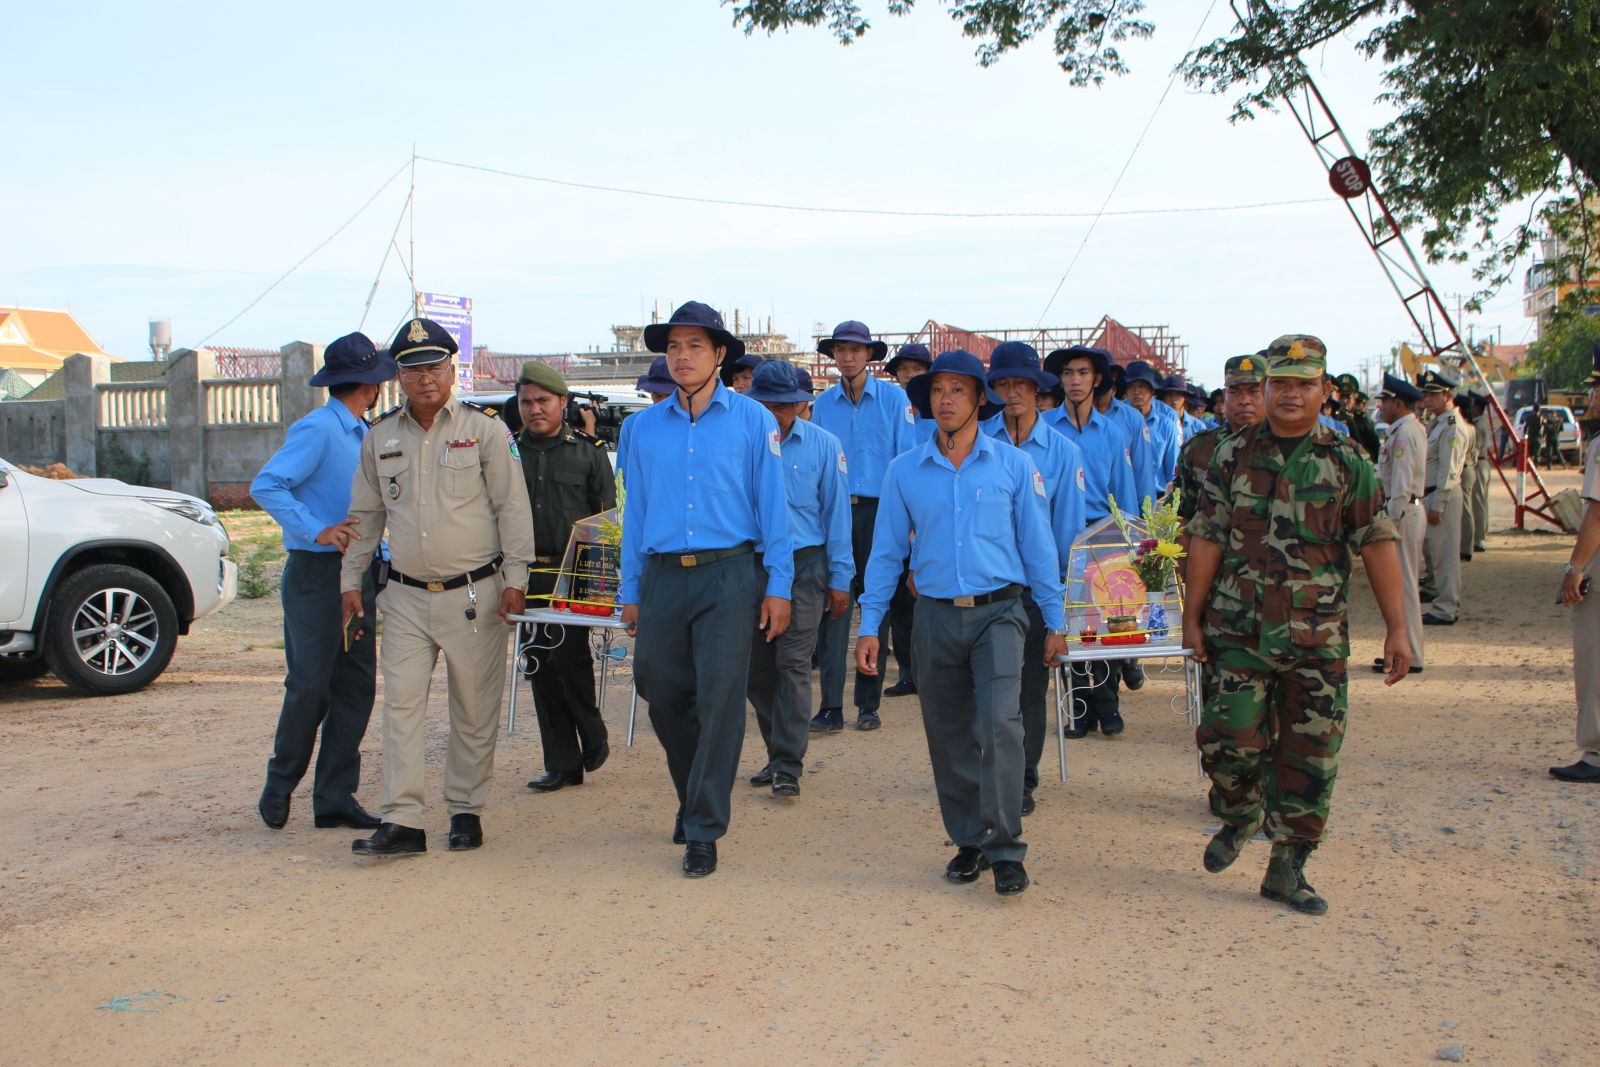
(1410, 281)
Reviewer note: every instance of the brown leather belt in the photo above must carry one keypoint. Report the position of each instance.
(1005, 592)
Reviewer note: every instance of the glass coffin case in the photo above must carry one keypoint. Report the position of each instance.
(1107, 602)
(589, 578)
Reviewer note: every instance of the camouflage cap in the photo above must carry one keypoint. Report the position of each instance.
(1297, 355)
(1347, 383)
(1242, 370)
(537, 372)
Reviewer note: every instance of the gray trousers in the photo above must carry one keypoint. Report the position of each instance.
(1034, 682)
(1441, 548)
(968, 682)
(1480, 505)
(691, 663)
(900, 609)
(833, 641)
(326, 689)
(780, 671)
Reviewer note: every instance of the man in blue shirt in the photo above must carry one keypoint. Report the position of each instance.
(329, 684)
(819, 526)
(874, 422)
(1015, 375)
(705, 488)
(1108, 468)
(1140, 394)
(1174, 396)
(908, 361)
(976, 508)
(1141, 449)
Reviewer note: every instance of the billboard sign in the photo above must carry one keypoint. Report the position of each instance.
(454, 313)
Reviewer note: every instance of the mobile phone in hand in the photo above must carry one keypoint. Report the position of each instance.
(352, 631)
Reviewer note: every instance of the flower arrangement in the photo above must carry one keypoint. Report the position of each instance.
(611, 529)
(1154, 558)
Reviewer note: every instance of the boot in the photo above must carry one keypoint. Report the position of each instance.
(1228, 842)
(1286, 879)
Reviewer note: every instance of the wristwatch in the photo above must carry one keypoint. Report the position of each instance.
(1567, 568)
(1058, 633)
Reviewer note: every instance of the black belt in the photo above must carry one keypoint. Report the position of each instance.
(1005, 592)
(854, 500)
(448, 583)
(1430, 490)
(1414, 498)
(701, 558)
(808, 552)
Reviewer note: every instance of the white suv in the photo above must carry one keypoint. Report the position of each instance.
(98, 578)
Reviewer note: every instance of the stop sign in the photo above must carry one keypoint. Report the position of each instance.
(1350, 177)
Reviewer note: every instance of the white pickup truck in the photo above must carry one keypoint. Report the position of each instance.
(98, 578)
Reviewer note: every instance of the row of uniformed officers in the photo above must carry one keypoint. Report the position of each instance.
(748, 530)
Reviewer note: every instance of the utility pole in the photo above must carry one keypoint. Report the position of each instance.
(412, 231)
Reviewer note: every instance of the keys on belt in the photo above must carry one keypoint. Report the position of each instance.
(442, 584)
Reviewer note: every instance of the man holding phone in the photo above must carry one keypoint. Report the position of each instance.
(305, 487)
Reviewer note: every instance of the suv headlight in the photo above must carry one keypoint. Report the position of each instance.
(192, 510)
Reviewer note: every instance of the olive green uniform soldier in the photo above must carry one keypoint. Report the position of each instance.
(1356, 418)
(1441, 501)
(569, 478)
(437, 475)
(1244, 378)
(1285, 505)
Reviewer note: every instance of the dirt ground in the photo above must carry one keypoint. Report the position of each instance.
(148, 917)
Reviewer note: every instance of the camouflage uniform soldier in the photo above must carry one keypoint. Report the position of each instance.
(1245, 377)
(1284, 506)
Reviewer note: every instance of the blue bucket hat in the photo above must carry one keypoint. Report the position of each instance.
(804, 377)
(354, 359)
(777, 382)
(857, 332)
(1173, 383)
(1141, 371)
(694, 313)
(1015, 359)
(1057, 361)
(657, 379)
(731, 366)
(915, 352)
(957, 361)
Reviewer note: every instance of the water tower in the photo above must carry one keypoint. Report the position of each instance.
(160, 338)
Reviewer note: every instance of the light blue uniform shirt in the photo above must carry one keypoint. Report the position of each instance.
(872, 432)
(1141, 449)
(716, 482)
(1107, 466)
(819, 505)
(1334, 424)
(977, 529)
(1060, 463)
(1166, 441)
(1193, 424)
(922, 431)
(306, 484)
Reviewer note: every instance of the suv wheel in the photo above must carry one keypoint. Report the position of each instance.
(111, 630)
(21, 666)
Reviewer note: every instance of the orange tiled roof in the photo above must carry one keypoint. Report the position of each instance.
(36, 339)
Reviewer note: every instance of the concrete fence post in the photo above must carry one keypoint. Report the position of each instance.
(296, 399)
(187, 372)
(82, 373)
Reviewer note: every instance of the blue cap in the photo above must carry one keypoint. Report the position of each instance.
(956, 361)
(353, 359)
(657, 379)
(694, 313)
(1014, 359)
(855, 332)
(916, 352)
(1141, 371)
(777, 382)
(1057, 361)
(730, 366)
(805, 381)
(1395, 388)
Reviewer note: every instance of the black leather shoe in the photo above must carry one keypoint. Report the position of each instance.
(1466, 559)
(1009, 878)
(1436, 620)
(699, 859)
(966, 865)
(867, 720)
(1110, 725)
(901, 689)
(1079, 727)
(677, 830)
(550, 781)
(466, 832)
(762, 777)
(352, 815)
(1577, 772)
(1132, 675)
(391, 840)
(1426, 598)
(594, 758)
(274, 809)
(1027, 802)
(785, 785)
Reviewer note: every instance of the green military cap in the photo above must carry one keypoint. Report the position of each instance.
(1242, 370)
(1297, 355)
(1347, 383)
(537, 372)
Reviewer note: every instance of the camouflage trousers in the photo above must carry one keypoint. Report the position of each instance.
(1269, 739)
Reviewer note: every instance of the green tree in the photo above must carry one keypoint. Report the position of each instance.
(1498, 100)
(1564, 353)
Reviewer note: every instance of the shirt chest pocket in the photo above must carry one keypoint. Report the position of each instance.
(570, 486)
(461, 472)
(394, 478)
(993, 521)
(804, 482)
(1316, 513)
(720, 469)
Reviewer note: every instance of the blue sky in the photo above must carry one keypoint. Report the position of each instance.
(172, 159)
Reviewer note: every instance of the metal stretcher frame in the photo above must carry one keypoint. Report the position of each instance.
(528, 624)
(1066, 701)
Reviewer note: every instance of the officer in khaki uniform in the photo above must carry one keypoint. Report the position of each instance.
(1441, 500)
(1476, 507)
(569, 479)
(1580, 567)
(1403, 468)
(440, 477)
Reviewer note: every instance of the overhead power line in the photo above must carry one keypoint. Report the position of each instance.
(889, 212)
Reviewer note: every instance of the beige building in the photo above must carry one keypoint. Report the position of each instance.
(34, 342)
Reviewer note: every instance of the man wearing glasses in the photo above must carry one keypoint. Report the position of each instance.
(438, 475)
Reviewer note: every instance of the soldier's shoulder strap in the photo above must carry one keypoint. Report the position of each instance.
(491, 410)
(588, 438)
(392, 411)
